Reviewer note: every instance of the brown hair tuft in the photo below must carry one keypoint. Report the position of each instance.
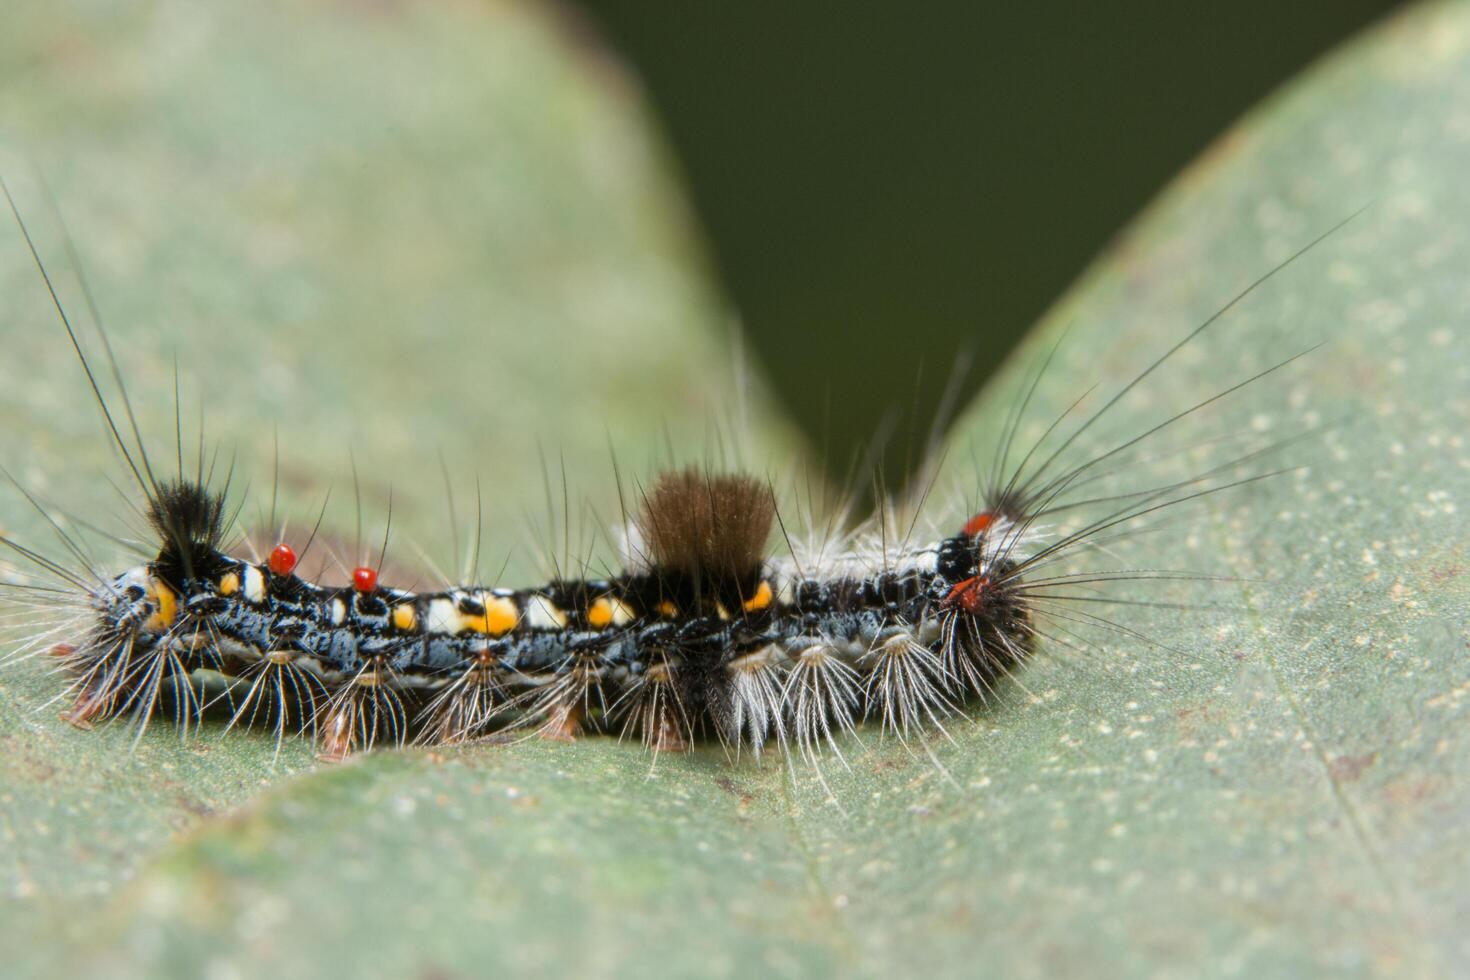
(707, 525)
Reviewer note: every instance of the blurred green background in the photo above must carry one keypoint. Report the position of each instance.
(886, 186)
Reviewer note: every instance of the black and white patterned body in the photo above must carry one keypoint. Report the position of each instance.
(771, 651)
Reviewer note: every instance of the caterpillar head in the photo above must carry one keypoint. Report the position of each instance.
(150, 599)
(974, 566)
(138, 603)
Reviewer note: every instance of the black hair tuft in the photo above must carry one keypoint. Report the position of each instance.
(190, 521)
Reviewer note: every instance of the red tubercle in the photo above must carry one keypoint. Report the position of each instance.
(980, 522)
(969, 594)
(282, 560)
(364, 579)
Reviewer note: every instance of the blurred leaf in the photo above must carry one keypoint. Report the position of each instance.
(1274, 790)
(382, 233)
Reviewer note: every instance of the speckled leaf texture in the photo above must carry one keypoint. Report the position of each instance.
(390, 232)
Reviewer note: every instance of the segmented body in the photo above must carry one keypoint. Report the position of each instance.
(738, 653)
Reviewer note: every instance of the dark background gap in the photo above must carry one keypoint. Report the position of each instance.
(883, 186)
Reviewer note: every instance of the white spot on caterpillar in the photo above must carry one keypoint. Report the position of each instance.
(443, 617)
(137, 575)
(541, 614)
(254, 585)
(339, 612)
(622, 614)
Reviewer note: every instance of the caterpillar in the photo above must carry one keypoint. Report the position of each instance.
(721, 623)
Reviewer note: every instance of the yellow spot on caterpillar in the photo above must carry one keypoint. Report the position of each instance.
(760, 600)
(721, 611)
(404, 617)
(501, 616)
(667, 609)
(600, 614)
(168, 607)
(229, 584)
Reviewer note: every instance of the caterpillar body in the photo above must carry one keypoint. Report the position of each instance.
(703, 631)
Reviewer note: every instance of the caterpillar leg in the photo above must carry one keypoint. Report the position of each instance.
(91, 701)
(748, 711)
(906, 684)
(565, 704)
(820, 699)
(361, 712)
(280, 694)
(655, 711)
(90, 705)
(467, 706)
(563, 723)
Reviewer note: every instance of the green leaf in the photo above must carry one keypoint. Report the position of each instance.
(404, 235)
(1268, 788)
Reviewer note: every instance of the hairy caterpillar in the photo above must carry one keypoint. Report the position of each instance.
(705, 630)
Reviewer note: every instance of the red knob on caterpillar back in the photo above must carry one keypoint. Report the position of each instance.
(282, 560)
(979, 523)
(364, 579)
(969, 595)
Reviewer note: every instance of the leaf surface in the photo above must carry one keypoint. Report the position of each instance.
(1271, 787)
